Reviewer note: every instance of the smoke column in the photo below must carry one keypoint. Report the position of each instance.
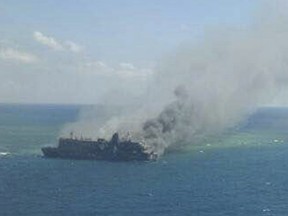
(205, 88)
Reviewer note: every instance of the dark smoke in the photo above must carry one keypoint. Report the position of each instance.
(216, 84)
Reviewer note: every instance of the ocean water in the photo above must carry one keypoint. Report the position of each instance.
(243, 172)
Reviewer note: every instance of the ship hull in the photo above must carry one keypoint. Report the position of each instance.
(113, 150)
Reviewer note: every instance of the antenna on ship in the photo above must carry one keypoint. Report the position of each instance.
(71, 135)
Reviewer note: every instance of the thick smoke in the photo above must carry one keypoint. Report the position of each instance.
(205, 88)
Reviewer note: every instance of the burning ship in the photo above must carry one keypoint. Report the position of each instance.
(113, 150)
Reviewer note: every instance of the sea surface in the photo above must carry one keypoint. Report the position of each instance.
(242, 172)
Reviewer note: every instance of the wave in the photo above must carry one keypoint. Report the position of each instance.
(4, 153)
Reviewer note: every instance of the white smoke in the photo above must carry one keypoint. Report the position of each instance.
(205, 88)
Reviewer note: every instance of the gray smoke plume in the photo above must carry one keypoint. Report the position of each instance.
(205, 88)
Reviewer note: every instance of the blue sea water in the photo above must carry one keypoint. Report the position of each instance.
(240, 173)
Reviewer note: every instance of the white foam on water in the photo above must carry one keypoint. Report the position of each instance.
(4, 153)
